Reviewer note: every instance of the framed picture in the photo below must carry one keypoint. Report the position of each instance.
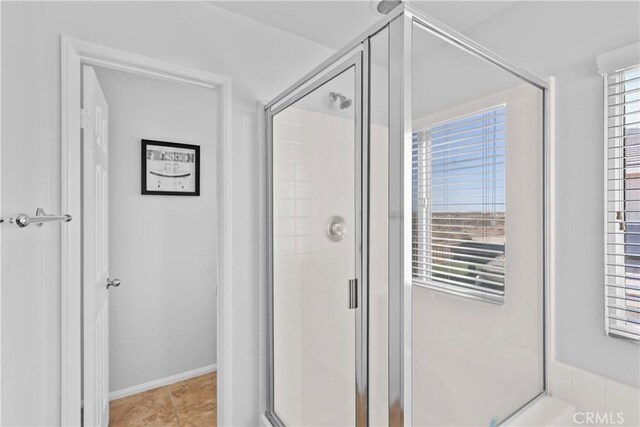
(170, 169)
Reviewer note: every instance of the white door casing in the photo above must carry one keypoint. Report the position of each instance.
(75, 53)
(95, 236)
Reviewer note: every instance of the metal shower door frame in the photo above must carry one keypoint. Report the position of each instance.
(399, 22)
(357, 58)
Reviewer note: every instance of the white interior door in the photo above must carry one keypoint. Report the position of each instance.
(95, 229)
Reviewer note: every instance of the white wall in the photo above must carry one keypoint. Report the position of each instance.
(563, 39)
(261, 60)
(163, 248)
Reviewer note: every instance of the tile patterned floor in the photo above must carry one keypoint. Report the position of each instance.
(189, 403)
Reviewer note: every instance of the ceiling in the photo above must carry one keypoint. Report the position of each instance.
(335, 23)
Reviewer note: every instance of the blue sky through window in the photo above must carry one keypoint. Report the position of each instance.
(466, 163)
(459, 203)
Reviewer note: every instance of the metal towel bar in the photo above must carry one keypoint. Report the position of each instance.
(22, 220)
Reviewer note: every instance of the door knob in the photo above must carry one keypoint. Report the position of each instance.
(115, 283)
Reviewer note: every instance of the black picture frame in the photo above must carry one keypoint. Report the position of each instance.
(144, 147)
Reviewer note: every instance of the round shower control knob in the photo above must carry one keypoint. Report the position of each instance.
(336, 228)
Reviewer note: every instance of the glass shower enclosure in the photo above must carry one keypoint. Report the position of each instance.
(406, 234)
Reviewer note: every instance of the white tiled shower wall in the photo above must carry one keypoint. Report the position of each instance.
(378, 284)
(314, 333)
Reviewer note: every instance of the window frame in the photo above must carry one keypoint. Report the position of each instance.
(501, 110)
(615, 200)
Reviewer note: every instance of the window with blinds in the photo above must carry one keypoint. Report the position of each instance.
(622, 269)
(458, 224)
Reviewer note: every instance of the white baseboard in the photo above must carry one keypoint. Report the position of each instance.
(118, 394)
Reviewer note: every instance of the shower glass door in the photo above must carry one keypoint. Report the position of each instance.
(478, 236)
(315, 220)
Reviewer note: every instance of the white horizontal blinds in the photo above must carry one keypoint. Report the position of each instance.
(622, 282)
(459, 204)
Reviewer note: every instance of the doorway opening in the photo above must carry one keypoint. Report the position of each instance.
(163, 259)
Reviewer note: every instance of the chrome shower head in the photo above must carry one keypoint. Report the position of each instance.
(344, 101)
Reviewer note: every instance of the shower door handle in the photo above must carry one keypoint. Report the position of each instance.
(353, 293)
